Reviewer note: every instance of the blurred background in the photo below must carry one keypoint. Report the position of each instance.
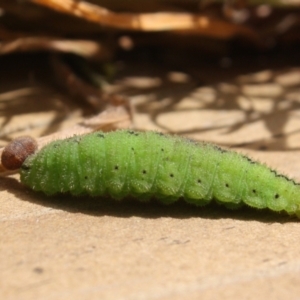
(222, 71)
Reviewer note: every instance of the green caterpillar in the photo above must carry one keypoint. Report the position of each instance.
(149, 164)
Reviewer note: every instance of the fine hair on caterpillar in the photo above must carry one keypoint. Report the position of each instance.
(152, 165)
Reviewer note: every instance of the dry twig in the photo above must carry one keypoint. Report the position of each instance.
(149, 21)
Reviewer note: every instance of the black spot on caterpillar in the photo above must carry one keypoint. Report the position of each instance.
(161, 166)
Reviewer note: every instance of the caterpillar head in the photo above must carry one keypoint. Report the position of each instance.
(15, 153)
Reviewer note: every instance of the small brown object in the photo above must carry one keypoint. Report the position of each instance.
(15, 153)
